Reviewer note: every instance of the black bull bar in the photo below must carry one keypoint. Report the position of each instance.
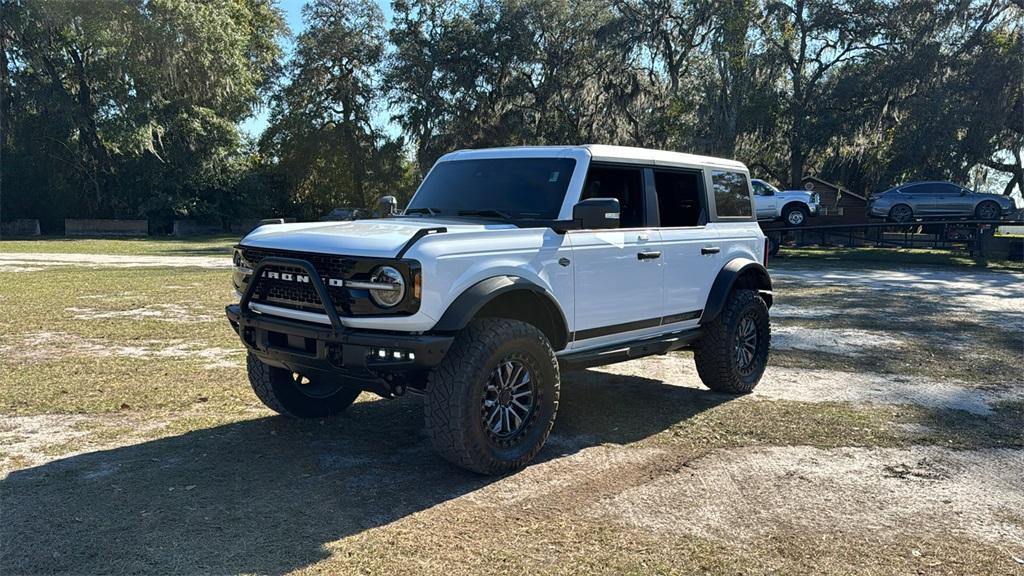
(373, 360)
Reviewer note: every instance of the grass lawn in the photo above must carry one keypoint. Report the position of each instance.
(130, 442)
(893, 257)
(150, 246)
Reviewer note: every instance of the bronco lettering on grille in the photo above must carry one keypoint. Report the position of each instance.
(300, 278)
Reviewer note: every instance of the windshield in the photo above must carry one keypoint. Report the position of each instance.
(531, 188)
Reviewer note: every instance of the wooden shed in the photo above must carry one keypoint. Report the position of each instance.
(838, 205)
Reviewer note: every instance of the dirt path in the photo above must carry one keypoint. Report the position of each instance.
(837, 465)
(30, 262)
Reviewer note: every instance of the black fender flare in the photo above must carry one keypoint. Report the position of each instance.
(467, 305)
(726, 280)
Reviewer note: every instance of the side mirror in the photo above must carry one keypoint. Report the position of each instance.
(388, 206)
(597, 213)
(963, 192)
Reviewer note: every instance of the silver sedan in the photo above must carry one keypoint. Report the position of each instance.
(937, 200)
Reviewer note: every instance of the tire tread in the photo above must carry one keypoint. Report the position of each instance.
(713, 353)
(446, 396)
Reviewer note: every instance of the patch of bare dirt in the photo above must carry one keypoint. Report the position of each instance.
(24, 438)
(845, 341)
(177, 313)
(995, 296)
(744, 496)
(803, 385)
(44, 346)
(35, 261)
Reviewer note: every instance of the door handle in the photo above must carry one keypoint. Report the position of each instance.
(648, 255)
(708, 250)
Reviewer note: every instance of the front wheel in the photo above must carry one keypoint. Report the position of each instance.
(795, 215)
(732, 354)
(295, 395)
(491, 403)
(987, 211)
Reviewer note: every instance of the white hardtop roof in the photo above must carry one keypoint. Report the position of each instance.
(600, 152)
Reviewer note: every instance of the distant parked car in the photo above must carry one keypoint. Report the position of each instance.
(793, 207)
(342, 214)
(920, 200)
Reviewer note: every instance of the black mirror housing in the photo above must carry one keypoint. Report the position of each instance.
(597, 213)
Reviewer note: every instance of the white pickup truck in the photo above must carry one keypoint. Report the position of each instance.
(508, 266)
(793, 207)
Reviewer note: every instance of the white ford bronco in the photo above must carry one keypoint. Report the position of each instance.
(507, 267)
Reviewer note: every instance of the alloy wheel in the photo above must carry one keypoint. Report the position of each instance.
(746, 344)
(509, 399)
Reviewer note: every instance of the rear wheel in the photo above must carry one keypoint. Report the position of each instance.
(901, 213)
(987, 210)
(295, 395)
(491, 403)
(732, 354)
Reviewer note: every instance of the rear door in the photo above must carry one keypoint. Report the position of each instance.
(692, 251)
(923, 198)
(617, 273)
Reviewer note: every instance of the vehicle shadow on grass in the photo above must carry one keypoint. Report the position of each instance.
(265, 495)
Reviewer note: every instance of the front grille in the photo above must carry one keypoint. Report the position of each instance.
(298, 295)
(303, 296)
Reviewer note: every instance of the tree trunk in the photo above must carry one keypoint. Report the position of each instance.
(796, 164)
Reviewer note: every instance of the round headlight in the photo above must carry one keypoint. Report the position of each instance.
(393, 294)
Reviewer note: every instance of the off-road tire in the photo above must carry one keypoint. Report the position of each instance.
(276, 388)
(986, 206)
(455, 395)
(715, 352)
(790, 209)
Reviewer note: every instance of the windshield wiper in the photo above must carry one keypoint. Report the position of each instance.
(486, 212)
(423, 210)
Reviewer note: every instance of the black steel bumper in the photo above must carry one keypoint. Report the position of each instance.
(373, 360)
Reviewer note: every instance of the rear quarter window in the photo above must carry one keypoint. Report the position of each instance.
(732, 193)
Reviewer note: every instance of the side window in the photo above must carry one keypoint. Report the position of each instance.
(916, 189)
(680, 198)
(759, 189)
(947, 188)
(732, 194)
(624, 184)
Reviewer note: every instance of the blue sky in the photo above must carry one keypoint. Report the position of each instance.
(293, 15)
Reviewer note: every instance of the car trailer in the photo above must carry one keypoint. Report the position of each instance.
(970, 235)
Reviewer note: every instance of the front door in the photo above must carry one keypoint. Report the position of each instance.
(617, 273)
(765, 201)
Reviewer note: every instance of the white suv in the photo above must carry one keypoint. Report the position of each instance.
(508, 266)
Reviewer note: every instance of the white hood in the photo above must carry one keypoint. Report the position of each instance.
(377, 238)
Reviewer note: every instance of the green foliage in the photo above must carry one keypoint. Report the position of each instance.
(324, 142)
(124, 109)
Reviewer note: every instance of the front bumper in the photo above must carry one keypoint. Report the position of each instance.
(354, 355)
(814, 209)
(372, 360)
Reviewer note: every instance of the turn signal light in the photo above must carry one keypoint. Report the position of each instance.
(417, 285)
